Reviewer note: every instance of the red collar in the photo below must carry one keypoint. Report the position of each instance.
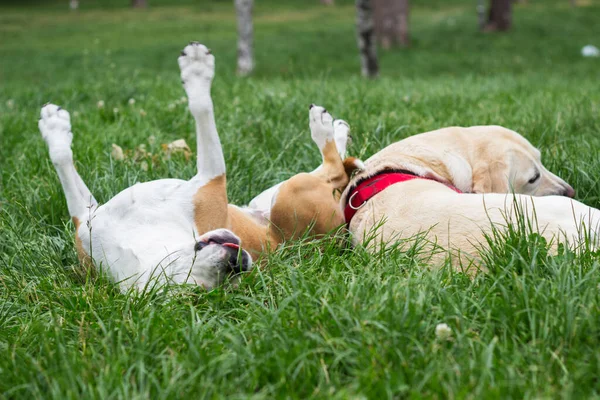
(368, 188)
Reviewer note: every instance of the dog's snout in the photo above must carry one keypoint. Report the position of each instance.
(311, 106)
(239, 260)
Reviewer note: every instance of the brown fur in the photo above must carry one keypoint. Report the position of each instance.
(84, 259)
(210, 205)
(255, 236)
(304, 201)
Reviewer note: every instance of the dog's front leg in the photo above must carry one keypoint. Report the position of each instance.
(197, 66)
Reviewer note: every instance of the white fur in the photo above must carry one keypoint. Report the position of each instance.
(55, 127)
(197, 71)
(321, 126)
(458, 222)
(147, 231)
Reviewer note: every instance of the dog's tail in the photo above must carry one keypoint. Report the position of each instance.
(55, 127)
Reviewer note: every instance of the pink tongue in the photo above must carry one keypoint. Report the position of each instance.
(232, 245)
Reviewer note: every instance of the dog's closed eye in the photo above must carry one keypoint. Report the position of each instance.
(535, 177)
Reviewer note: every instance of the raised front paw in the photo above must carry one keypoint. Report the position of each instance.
(321, 125)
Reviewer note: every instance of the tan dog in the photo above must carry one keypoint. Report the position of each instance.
(482, 162)
(172, 230)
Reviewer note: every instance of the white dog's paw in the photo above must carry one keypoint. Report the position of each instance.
(197, 67)
(55, 127)
(321, 125)
(341, 134)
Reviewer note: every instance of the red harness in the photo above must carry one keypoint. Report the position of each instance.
(368, 188)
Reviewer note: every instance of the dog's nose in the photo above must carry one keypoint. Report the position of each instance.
(239, 260)
(311, 106)
(569, 191)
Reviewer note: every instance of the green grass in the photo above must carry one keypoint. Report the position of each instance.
(320, 320)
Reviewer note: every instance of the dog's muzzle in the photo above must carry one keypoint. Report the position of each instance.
(238, 259)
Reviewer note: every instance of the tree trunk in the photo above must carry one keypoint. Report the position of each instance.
(500, 16)
(391, 22)
(328, 2)
(245, 61)
(365, 36)
(481, 14)
(139, 3)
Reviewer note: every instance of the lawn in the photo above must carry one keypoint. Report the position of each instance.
(321, 319)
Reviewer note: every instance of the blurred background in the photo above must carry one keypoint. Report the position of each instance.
(414, 37)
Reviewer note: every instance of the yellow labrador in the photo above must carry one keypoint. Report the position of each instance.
(465, 180)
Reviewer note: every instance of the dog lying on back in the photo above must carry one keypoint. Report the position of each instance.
(171, 230)
(451, 187)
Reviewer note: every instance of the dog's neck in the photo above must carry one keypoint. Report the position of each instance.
(451, 167)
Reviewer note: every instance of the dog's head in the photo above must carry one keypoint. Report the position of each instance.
(505, 161)
(218, 257)
(479, 159)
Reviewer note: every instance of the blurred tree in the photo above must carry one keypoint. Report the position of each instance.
(328, 2)
(74, 4)
(139, 3)
(500, 16)
(391, 22)
(481, 14)
(365, 36)
(245, 59)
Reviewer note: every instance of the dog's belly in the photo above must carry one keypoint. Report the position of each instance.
(146, 230)
(454, 221)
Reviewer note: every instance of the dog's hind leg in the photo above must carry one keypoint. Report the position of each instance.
(55, 127)
(323, 132)
(197, 67)
(311, 201)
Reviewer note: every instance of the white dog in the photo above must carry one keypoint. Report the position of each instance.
(172, 230)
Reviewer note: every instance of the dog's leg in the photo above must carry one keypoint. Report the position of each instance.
(310, 200)
(55, 127)
(322, 133)
(263, 202)
(197, 66)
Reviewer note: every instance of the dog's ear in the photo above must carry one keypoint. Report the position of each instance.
(491, 177)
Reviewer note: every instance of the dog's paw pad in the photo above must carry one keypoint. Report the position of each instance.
(196, 62)
(55, 127)
(321, 125)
